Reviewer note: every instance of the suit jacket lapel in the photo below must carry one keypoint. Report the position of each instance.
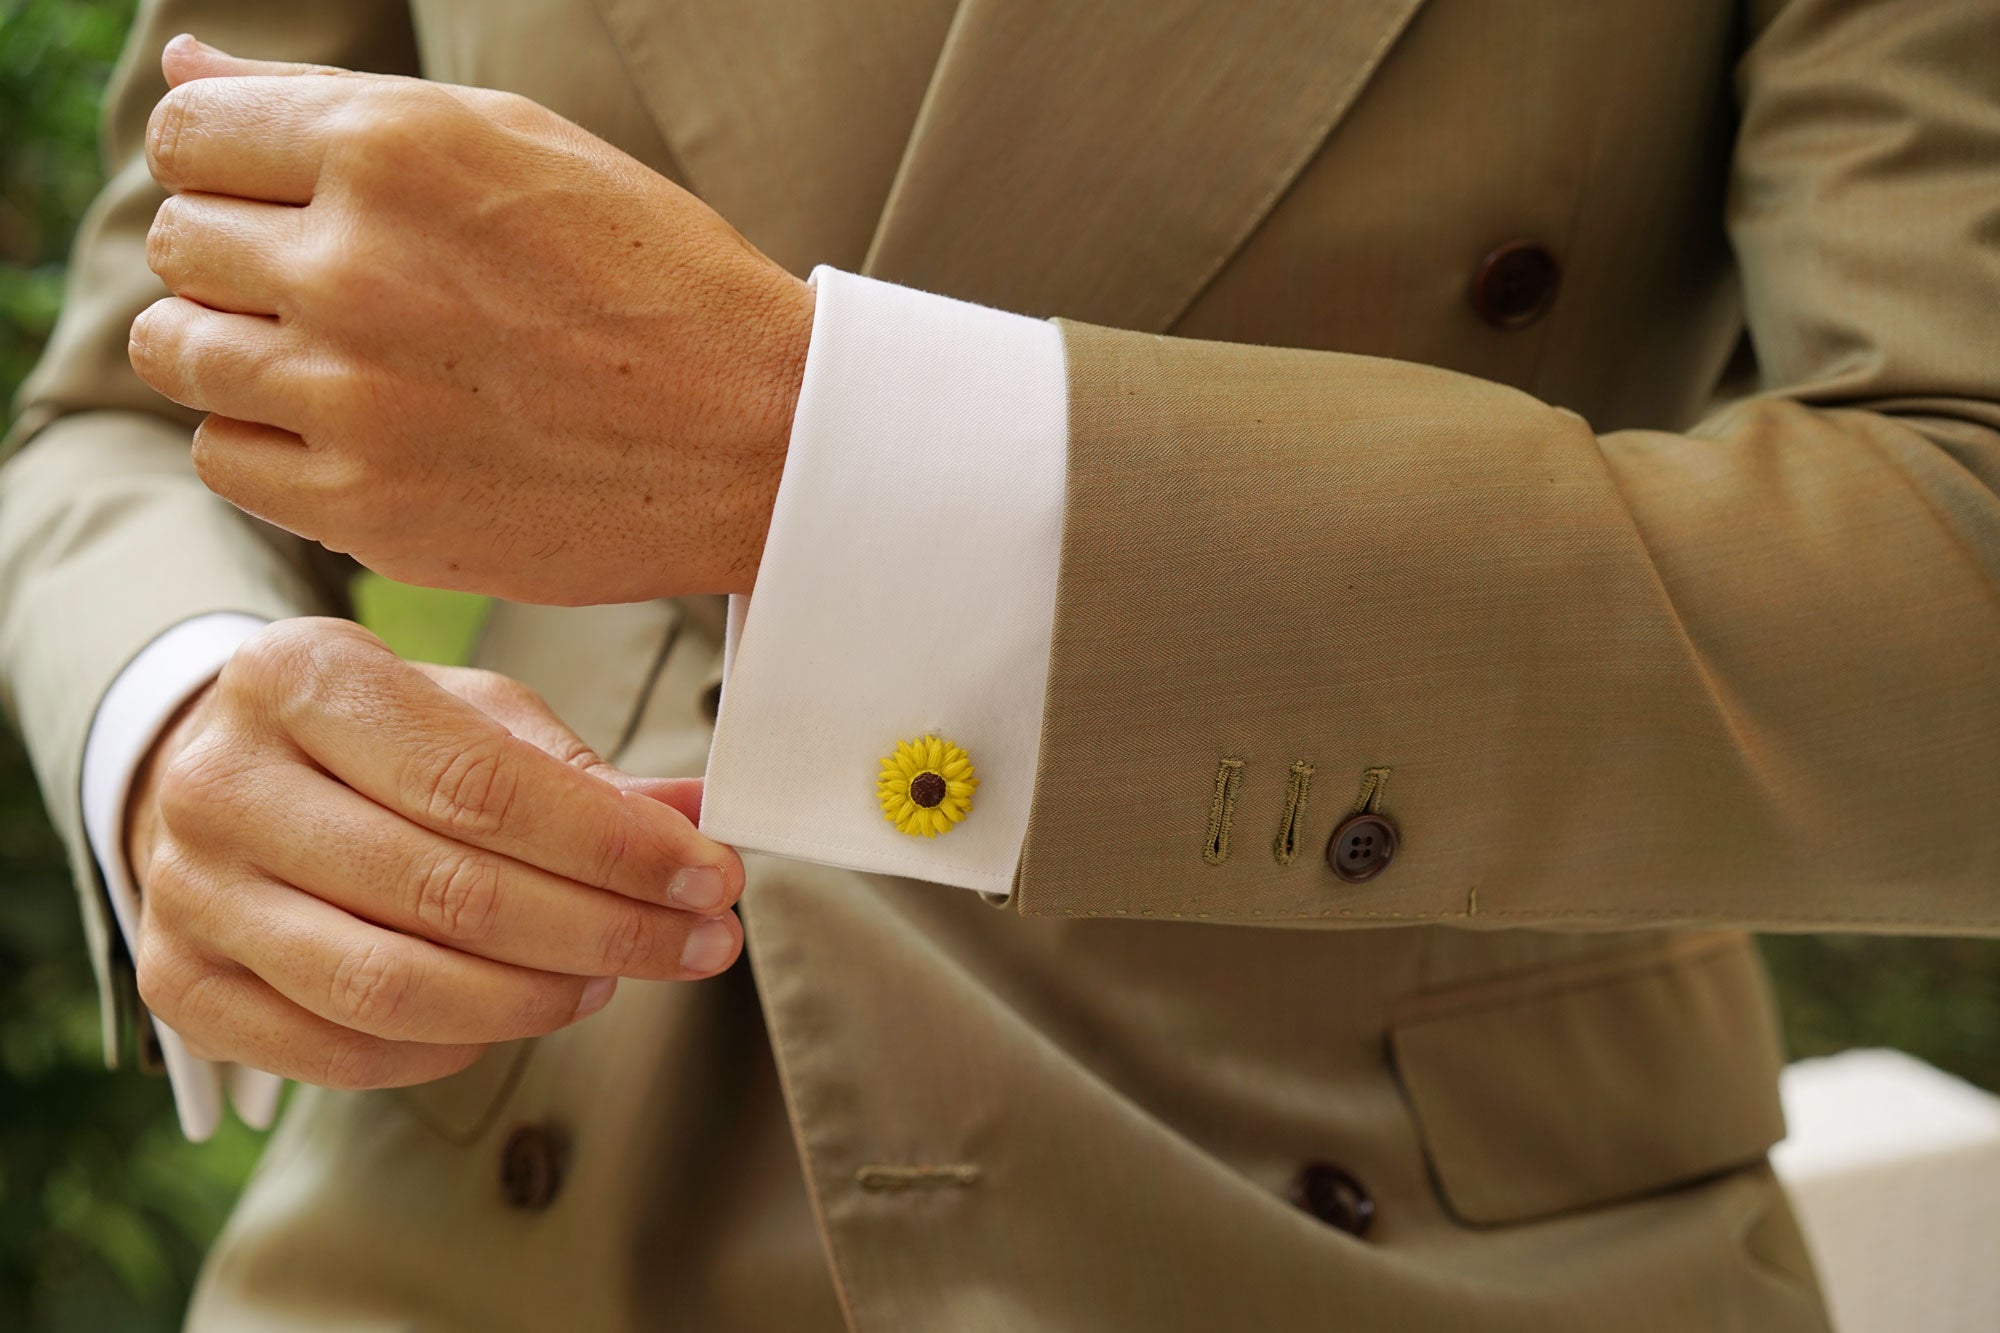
(1103, 161)
(1097, 161)
(788, 118)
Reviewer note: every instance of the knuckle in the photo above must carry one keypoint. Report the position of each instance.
(195, 786)
(328, 391)
(166, 892)
(503, 688)
(354, 282)
(371, 987)
(351, 1062)
(625, 947)
(271, 662)
(618, 856)
(511, 110)
(161, 235)
(458, 895)
(548, 1006)
(265, 656)
(468, 790)
(187, 992)
(156, 334)
(386, 128)
(208, 1006)
(210, 453)
(310, 661)
(167, 133)
(178, 904)
(357, 121)
(163, 976)
(202, 1047)
(572, 750)
(344, 494)
(524, 701)
(319, 278)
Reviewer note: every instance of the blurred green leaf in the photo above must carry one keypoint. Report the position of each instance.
(422, 624)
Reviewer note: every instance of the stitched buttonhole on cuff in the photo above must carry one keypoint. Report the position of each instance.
(1373, 782)
(1286, 847)
(1222, 811)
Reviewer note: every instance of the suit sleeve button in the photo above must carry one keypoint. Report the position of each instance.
(1360, 847)
(1334, 1197)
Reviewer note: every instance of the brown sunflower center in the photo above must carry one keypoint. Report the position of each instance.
(927, 789)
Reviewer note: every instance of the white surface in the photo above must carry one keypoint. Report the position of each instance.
(907, 588)
(164, 675)
(1894, 1170)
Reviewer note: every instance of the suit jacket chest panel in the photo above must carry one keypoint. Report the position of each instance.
(1110, 166)
(1597, 131)
(788, 117)
(555, 52)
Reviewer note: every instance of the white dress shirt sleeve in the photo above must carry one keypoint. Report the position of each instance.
(907, 588)
(129, 719)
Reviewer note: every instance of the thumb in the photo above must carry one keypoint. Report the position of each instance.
(683, 794)
(186, 59)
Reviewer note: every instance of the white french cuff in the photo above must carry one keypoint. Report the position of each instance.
(907, 590)
(133, 712)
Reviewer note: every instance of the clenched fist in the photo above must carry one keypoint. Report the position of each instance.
(358, 872)
(449, 332)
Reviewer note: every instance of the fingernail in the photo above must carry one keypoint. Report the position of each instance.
(596, 994)
(709, 947)
(698, 888)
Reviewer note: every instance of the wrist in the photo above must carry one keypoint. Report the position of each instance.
(784, 339)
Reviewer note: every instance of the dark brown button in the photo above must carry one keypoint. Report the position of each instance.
(1516, 285)
(1334, 1197)
(531, 1167)
(1360, 847)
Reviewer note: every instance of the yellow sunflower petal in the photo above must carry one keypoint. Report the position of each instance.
(914, 757)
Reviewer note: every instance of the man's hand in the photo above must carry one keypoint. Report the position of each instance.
(449, 332)
(357, 872)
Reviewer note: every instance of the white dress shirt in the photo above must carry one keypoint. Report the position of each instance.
(129, 719)
(907, 588)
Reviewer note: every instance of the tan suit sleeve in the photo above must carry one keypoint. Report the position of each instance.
(1748, 674)
(107, 538)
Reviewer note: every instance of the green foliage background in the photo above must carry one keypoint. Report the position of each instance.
(104, 1210)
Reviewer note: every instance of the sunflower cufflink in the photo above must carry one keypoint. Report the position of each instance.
(926, 786)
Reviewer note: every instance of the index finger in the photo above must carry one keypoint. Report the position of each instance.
(254, 137)
(392, 734)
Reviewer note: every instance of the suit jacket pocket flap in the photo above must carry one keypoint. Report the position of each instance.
(1557, 1091)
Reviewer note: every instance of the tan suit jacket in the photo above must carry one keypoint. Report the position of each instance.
(1660, 631)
